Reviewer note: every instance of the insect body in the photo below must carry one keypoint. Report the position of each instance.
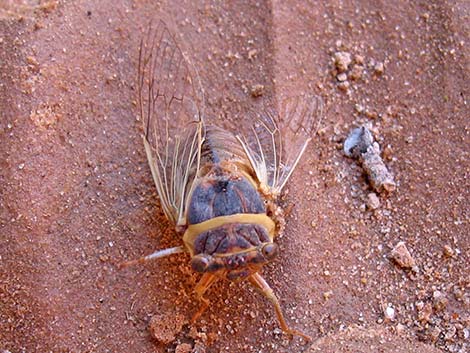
(219, 188)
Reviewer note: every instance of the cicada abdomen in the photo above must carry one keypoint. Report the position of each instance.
(218, 187)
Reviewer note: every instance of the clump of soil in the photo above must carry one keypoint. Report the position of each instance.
(165, 327)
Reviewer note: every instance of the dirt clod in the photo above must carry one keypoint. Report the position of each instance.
(200, 347)
(184, 348)
(380, 177)
(164, 328)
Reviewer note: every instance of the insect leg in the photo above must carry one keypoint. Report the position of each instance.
(205, 282)
(156, 255)
(259, 283)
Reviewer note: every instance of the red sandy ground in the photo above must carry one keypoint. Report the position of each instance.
(77, 195)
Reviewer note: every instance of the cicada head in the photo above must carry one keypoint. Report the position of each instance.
(233, 251)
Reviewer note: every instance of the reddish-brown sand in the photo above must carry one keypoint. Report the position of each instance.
(77, 196)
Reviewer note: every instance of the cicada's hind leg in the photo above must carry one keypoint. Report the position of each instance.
(258, 282)
(205, 282)
(156, 255)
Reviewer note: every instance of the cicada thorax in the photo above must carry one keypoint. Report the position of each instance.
(229, 226)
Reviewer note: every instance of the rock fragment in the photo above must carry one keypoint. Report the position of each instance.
(360, 145)
(402, 256)
(358, 142)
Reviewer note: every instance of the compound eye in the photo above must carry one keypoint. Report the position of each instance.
(270, 251)
(200, 263)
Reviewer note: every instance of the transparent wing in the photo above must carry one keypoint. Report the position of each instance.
(170, 102)
(279, 137)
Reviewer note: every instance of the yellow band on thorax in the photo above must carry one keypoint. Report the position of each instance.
(194, 230)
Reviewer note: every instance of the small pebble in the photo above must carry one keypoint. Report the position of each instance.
(359, 59)
(424, 315)
(342, 77)
(379, 68)
(252, 54)
(434, 333)
(356, 72)
(342, 60)
(450, 334)
(373, 201)
(344, 86)
(359, 108)
(400, 328)
(389, 313)
(257, 90)
(439, 300)
(448, 251)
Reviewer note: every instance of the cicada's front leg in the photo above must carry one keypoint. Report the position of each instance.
(258, 282)
(205, 282)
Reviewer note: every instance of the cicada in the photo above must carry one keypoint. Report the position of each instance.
(219, 188)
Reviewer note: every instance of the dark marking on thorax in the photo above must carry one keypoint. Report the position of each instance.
(221, 194)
